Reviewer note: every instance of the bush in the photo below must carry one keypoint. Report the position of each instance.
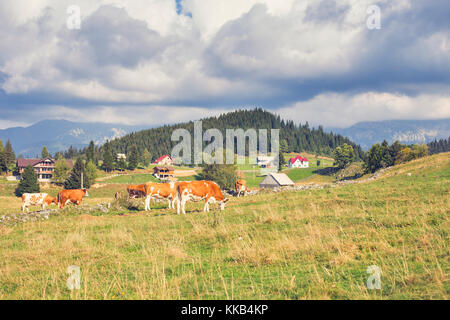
(225, 175)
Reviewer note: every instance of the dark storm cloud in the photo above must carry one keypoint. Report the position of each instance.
(256, 59)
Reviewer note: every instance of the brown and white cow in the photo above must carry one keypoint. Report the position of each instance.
(161, 191)
(199, 190)
(74, 196)
(36, 199)
(136, 191)
(240, 186)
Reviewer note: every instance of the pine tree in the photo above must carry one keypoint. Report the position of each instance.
(45, 153)
(146, 158)
(9, 156)
(133, 158)
(28, 183)
(77, 176)
(90, 153)
(108, 158)
(3, 166)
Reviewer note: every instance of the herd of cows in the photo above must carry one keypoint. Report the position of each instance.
(174, 192)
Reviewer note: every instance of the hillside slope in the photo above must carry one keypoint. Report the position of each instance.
(314, 244)
(299, 138)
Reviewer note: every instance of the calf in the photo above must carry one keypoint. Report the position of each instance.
(161, 191)
(74, 196)
(199, 190)
(240, 186)
(36, 199)
(136, 191)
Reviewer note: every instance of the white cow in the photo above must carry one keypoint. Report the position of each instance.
(36, 199)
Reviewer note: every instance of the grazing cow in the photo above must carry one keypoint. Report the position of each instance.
(199, 190)
(240, 186)
(136, 191)
(161, 191)
(36, 199)
(74, 196)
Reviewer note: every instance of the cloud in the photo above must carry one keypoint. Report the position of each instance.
(341, 110)
(309, 56)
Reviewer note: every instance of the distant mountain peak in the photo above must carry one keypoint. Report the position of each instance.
(59, 135)
(406, 131)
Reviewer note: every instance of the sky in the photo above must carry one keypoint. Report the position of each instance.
(154, 62)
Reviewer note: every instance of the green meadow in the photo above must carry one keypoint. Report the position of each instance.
(311, 244)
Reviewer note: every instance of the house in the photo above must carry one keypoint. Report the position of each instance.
(276, 180)
(163, 172)
(265, 161)
(121, 156)
(44, 167)
(165, 160)
(298, 162)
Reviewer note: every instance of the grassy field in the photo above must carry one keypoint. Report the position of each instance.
(314, 244)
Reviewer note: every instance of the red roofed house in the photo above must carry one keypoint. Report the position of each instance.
(298, 162)
(165, 160)
(44, 167)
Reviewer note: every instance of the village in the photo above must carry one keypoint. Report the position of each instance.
(161, 172)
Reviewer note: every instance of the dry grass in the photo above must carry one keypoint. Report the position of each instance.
(314, 244)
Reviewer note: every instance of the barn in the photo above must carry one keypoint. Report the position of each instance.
(163, 172)
(276, 180)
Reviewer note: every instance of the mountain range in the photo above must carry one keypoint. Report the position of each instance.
(406, 131)
(59, 135)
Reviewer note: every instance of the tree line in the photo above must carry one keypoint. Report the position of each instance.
(439, 146)
(156, 142)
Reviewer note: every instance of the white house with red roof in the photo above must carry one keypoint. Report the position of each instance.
(298, 162)
(165, 160)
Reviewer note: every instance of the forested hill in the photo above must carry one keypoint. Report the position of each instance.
(299, 138)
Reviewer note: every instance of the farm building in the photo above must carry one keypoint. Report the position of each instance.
(121, 156)
(165, 160)
(44, 167)
(275, 180)
(265, 161)
(163, 172)
(298, 162)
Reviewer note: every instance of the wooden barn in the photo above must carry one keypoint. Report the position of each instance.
(163, 172)
(276, 180)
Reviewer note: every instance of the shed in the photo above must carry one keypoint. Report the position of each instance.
(275, 180)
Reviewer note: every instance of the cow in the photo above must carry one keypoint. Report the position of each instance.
(240, 186)
(161, 191)
(136, 191)
(35, 199)
(74, 196)
(199, 190)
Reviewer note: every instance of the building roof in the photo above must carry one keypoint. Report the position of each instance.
(292, 160)
(161, 158)
(22, 163)
(276, 180)
(282, 179)
(163, 168)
